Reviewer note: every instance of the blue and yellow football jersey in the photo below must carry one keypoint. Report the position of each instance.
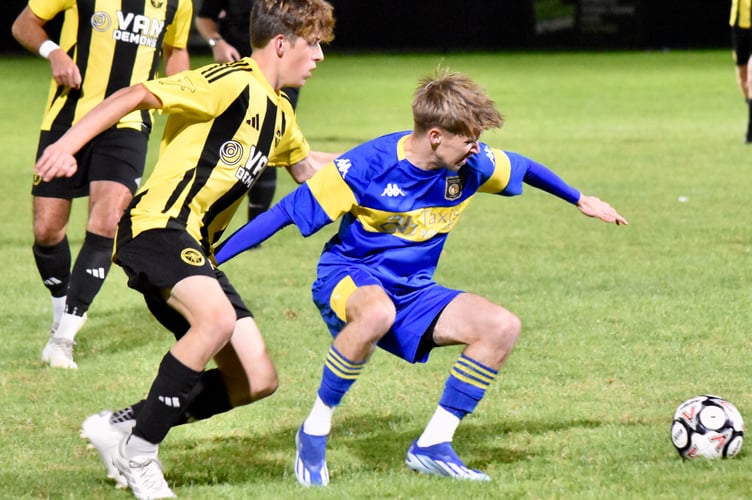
(395, 216)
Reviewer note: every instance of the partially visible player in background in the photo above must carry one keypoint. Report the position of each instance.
(224, 24)
(398, 197)
(740, 21)
(99, 52)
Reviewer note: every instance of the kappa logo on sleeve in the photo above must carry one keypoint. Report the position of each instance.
(489, 154)
(343, 165)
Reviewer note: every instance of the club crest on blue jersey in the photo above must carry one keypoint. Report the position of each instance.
(453, 188)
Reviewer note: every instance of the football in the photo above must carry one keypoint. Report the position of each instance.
(707, 427)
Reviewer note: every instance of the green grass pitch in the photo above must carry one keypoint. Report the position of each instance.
(620, 324)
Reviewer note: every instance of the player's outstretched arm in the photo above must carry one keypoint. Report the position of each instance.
(299, 207)
(57, 159)
(253, 233)
(594, 207)
(541, 177)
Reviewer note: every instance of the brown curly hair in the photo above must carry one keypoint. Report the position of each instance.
(312, 20)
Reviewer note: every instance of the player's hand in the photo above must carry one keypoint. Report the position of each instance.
(593, 207)
(55, 162)
(64, 70)
(224, 52)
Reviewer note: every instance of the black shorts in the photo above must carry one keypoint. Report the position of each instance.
(156, 260)
(117, 154)
(741, 44)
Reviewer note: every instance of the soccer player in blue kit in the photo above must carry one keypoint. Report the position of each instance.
(399, 196)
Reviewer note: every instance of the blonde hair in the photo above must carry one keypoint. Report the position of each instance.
(313, 20)
(455, 103)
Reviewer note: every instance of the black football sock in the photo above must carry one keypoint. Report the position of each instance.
(749, 122)
(91, 267)
(53, 264)
(171, 393)
(211, 400)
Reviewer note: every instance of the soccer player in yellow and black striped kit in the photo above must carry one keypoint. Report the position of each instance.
(225, 124)
(224, 26)
(104, 46)
(740, 21)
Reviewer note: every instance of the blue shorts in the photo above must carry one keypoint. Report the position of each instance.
(411, 336)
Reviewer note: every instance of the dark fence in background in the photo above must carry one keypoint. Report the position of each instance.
(448, 25)
(504, 24)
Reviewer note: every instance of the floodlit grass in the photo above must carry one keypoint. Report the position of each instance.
(620, 324)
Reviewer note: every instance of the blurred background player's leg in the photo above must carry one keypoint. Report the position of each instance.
(262, 193)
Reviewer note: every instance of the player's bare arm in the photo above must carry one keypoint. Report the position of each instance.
(57, 159)
(28, 30)
(176, 59)
(594, 207)
(304, 169)
(221, 50)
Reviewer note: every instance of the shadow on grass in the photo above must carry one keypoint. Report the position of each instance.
(358, 445)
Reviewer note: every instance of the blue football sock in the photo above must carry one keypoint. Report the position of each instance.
(466, 386)
(339, 374)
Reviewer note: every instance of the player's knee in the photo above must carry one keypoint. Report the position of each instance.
(260, 387)
(103, 220)
(505, 328)
(48, 236)
(380, 314)
(216, 323)
(375, 321)
(105, 229)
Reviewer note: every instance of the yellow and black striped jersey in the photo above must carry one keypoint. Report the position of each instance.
(225, 125)
(741, 14)
(114, 43)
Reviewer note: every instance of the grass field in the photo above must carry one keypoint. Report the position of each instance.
(620, 324)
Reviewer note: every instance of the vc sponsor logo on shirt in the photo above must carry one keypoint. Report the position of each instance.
(231, 152)
(131, 28)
